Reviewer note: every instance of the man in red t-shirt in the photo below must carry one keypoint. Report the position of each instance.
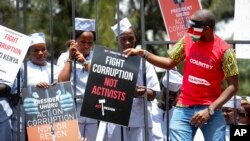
(208, 60)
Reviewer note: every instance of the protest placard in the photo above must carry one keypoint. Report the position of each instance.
(111, 86)
(13, 48)
(50, 113)
(176, 14)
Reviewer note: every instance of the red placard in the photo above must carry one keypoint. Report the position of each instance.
(175, 14)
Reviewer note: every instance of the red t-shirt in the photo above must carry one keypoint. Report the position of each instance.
(203, 72)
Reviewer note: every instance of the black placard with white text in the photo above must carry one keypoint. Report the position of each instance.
(111, 86)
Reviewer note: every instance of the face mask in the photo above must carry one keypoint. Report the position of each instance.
(195, 29)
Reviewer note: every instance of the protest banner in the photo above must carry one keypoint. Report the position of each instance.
(241, 28)
(176, 14)
(13, 48)
(111, 86)
(50, 113)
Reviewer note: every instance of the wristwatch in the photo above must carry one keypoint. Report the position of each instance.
(210, 111)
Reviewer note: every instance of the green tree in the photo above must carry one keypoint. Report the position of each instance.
(7, 13)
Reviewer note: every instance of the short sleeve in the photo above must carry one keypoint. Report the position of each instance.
(177, 51)
(229, 63)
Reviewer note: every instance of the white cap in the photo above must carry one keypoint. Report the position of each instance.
(230, 103)
(37, 38)
(84, 24)
(124, 25)
(175, 80)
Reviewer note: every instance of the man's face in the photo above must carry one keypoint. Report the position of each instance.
(195, 29)
(229, 114)
(127, 39)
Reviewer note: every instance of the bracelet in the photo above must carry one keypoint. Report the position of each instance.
(145, 54)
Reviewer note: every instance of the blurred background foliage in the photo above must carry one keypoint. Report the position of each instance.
(36, 17)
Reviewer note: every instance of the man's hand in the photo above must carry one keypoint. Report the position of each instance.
(200, 118)
(133, 51)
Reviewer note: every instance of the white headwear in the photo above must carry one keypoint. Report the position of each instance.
(83, 24)
(230, 103)
(37, 38)
(175, 80)
(124, 25)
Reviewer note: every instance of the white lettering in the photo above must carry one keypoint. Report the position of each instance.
(113, 72)
(114, 61)
(199, 81)
(201, 64)
(240, 132)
